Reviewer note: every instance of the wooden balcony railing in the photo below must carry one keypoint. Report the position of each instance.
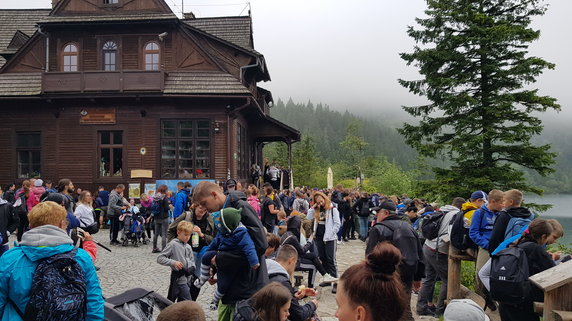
(103, 81)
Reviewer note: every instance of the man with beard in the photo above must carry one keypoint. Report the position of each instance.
(66, 188)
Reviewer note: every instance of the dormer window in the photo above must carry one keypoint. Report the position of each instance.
(70, 57)
(110, 56)
(151, 54)
(110, 1)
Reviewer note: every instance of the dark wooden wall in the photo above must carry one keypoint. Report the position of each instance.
(69, 149)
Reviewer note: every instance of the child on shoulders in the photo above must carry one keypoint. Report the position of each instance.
(232, 236)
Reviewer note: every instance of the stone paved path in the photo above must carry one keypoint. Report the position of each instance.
(131, 267)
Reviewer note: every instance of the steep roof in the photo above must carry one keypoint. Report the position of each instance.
(21, 84)
(203, 83)
(13, 20)
(236, 30)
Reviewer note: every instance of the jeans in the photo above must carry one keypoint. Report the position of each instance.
(363, 226)
(22, 226)
(184, 292)
(161, 227)
(114, 229)
(436, 266)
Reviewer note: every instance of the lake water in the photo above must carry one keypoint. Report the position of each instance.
(561, 210)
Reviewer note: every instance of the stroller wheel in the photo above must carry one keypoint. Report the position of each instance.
(144, 242)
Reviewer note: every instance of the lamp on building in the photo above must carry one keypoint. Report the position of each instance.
(216, 127)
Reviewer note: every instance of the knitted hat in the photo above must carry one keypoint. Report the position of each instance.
(230, 218)
(465, 310)
(38, 183)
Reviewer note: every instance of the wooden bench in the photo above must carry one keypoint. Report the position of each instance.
(562, 315)
(557, 286)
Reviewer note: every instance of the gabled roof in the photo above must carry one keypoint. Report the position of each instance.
(23, 20)
(236, 30)
(18, 41)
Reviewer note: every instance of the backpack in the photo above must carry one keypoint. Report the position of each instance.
(58, 290)
(516, 224)
(459, 234)
(431, 224)
(509, 276)
(364, 211)
(155, 208)
(20, 207)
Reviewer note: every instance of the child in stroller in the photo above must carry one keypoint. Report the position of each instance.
(133, 222)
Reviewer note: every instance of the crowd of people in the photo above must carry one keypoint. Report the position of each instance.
(250, 246)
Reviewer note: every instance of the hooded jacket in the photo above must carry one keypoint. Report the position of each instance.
(245, 312)
(115, 204)
(181, 200)
(469, 209)
(292, 235)
(277, 273)
(482, 226)
(35, 193)
(444, 238)
(249, 280)
(178, 251)
(333, 223)
(8, 221)
(17, 267)
(501, 223)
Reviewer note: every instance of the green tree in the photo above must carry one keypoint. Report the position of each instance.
(354, 146)
(476, 74)
(305, 162)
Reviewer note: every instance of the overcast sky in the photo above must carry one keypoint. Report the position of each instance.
(345, 53)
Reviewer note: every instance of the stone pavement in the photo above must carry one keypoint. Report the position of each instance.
(131, 267)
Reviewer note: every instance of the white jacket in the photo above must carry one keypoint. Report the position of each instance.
(84, 214)
(333, 223)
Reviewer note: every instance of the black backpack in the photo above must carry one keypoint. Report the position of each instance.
(20, 206)
(509, 276)
(459, 234)
(431, 224)
(58, 290)
(364, 210)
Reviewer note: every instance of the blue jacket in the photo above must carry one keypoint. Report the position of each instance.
(482, 226)
(181, 200)
(104, 195)
(237, 240)
(17, 267)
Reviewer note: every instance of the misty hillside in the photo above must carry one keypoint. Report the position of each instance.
(328, 128)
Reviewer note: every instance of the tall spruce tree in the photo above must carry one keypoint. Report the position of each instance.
(477, 74)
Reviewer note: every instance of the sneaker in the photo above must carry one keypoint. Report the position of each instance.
(213, 306)
(339, 242)
(155, 250)
(198, 284)
(426, 311)
(326, 278)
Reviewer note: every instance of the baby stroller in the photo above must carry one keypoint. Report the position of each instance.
(135, 305)
(133, 223)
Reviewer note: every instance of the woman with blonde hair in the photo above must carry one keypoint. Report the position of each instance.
(84, 212)
(326, 225)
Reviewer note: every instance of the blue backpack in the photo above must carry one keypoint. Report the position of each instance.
(155, 208)
(58, 290)
(516, 224)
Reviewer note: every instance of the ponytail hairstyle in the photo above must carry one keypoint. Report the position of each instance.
(268, 301)
(536, 230)
(26, 186)
(375, 284)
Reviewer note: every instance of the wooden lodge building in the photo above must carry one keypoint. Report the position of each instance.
(123, 91)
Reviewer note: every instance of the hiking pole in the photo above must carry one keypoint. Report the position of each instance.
(103, 246)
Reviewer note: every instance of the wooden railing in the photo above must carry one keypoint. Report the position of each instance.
(103, 81)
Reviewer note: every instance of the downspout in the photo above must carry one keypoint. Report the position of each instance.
(47, 49)
(246, 67)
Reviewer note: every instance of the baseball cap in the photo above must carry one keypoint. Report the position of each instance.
(479, 195)
(385, 205)
(464, 310)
